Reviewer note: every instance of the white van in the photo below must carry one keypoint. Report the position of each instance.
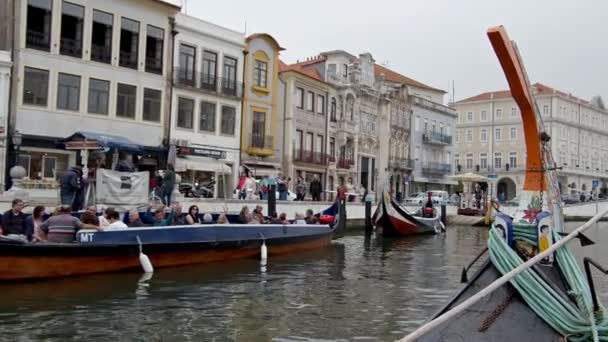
(440, 196)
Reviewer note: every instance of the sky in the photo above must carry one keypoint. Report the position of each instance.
(564, 44)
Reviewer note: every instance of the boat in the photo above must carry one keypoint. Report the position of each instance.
(530, 286)
(121, 250)
(391, 219)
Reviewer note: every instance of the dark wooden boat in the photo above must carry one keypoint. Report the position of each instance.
(391, 219)
(118, 250)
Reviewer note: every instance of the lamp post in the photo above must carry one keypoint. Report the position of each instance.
(17, 140)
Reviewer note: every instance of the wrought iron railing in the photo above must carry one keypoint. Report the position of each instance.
(436, 138)
(436, 168)
(260, 141)
(71, 47)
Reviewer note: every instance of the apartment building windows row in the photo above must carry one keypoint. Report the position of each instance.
(208, 117)
(69, 89)
(208, 77)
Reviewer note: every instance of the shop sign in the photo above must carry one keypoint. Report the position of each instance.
(82, 145)
(202, 152)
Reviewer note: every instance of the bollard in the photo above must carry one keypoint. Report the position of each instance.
(272, 200)
(444, 214)
(368, 215)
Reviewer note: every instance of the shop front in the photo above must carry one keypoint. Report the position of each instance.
(206, 169)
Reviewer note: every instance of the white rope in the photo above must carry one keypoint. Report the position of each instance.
(427, 327)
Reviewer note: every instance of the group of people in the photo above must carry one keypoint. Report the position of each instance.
(249, 188)
(257, 217)
(62, 226)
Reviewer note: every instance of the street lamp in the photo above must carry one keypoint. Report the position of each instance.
(17, 139)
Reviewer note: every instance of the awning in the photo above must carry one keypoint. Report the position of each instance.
(106, 140)
(184, 163)
(262, 170)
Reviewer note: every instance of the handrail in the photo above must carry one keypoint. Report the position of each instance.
(499, 282)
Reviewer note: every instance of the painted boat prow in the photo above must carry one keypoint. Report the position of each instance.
(392, 220)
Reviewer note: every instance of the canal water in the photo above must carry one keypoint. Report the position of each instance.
(358, 289)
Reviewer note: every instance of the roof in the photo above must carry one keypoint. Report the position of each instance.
(173, 3)
(396, 77)
(539, 89)
(267, 37)
(298, 68)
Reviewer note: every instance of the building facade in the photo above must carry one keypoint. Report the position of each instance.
(261, 124)
(5, 86)
(206, 103)
(96, 67)
(489, 139)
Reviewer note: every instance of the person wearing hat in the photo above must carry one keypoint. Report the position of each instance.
(62, 228)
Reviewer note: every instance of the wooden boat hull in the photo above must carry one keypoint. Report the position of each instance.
(100, 252)
(392, 220)
(501, 316)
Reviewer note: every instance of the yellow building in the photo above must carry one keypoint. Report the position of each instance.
(261, 124)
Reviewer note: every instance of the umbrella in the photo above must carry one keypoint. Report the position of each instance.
(470, 177)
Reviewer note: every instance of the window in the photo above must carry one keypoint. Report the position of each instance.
(68, 92)
(345, 70)
(259, 130)
(99, 95)
(300, 98)
(152, 105)
(469, 116)
(484, 135)
(310, 101)
(309, 142)
(208, 78)
(228, 120)
(426, 125)
(469, 135)
(187, 60)
(260, 74)
(299, 137)
(207, 120)
(320, 104)
(513, 160)
(417, 123)
(229, 76)
(25, 161)
(457, 137)
(35, 87)
(101, 38)
(469, 161)
(484, 115)
(38, 32)
(155, 37)
(497, 161)
(332, 147)
(72, 17)
(333, 110)
(185, 113)
(457, 159)
(125, 101)
(498, 114)
(331, 70)
(49, 166)
(483, 160)
(513, 112)
(319, 145)
(513, 135)
(497, 134)
(129, 43)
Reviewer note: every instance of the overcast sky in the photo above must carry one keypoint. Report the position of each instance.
(564, 44)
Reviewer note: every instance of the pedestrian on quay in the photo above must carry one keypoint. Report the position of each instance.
(300, 189)
(168, 184)
(315, 189)
(264, 188)
(70, 184)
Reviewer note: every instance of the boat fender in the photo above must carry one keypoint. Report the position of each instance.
(145, 262)
(263, 252)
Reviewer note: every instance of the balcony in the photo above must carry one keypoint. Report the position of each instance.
(434, 138)
(128, 59)
(310, 157)
(154, 65)
(231, 87)
(38, 40)
(208, 82)
(344, 163)
(71, 47)
(186, 77)
(260, 145)
(101, 53)
(401, 164)
(436, 168)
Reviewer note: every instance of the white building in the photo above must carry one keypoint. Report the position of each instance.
(490, 140)
(206, 113)
(94, 66)
(5, 86)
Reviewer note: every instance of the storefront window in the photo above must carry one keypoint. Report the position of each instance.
(41, 166)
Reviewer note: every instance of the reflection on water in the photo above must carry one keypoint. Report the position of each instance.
(364, 289)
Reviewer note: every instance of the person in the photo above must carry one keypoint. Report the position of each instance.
(207, 218)
(299, 219)
(222, 219)
(300, 189)
(178, 218)
(158, 218)
(153, 183)
(103, 221)
(124, 164)
(241, 187)
(90, 216)
(274, 218)
(134, 219)
(350, 189)
(192, 216)
(310, 217)
(70, 183)
(13, 221)
(33, 223)
(250, 187)
(428, 210)
(283, 188)
(251, 219)
(315, 189)
(365, 194)
(264, 188)
(243, 215)
(258, 210)
(114, 218)
(168, 184)
(283, 218)
(62, 227)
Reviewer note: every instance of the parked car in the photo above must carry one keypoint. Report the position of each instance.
(416, 199)
(438, 197)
